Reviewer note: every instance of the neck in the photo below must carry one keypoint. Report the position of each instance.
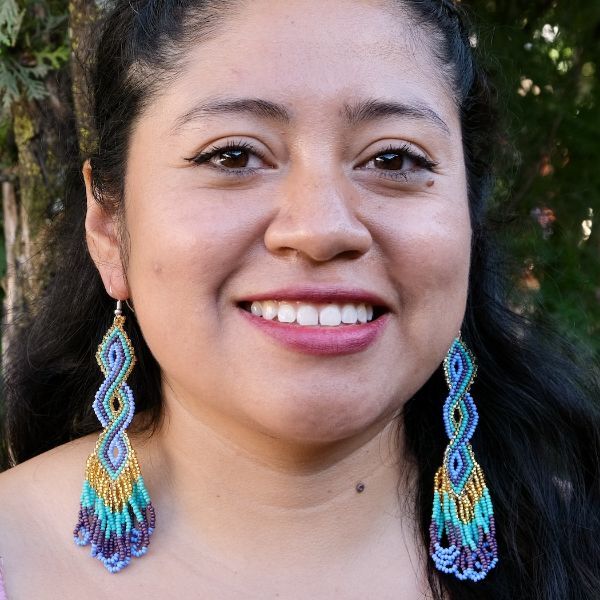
(242, 492)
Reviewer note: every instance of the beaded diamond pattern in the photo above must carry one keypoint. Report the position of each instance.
(115, 516)
(462, 507)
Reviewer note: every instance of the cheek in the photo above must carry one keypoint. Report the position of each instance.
(185, 240)
(434, 251)
(183, 246)
(428, 246)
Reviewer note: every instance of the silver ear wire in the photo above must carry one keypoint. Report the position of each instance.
(129, 305)
(118, 310)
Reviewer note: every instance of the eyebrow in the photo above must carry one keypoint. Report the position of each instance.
(357, 113)
(364, 111)
(263, 109)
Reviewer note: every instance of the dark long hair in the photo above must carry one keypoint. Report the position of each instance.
(538, 438)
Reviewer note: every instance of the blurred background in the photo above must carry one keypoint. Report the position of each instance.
(544, 57)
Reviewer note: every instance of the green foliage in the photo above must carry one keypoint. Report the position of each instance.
(33, 43)
(546, 62)
(10, 22)
(16, 80)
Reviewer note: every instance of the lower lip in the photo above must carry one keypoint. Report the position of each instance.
(344, 339)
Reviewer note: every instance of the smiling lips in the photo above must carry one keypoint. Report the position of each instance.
(310, 314)
(317, 321)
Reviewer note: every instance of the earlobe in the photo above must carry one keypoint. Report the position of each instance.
(103, 242)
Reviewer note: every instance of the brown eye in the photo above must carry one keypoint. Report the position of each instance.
(232, 159)
(235, 159)
(390, 160)
(399, 163)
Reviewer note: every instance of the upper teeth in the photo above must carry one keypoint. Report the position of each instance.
(304, 313)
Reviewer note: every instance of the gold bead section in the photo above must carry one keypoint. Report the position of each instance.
(471, 494)
(114, 492)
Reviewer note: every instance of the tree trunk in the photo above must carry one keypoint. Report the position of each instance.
(83, 14)
(45, 141)
(50, 136)
(13, 301)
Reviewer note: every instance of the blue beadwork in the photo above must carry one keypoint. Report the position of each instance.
(116, 515)
(462, 507)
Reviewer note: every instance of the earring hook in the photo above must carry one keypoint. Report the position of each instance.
(119, 309)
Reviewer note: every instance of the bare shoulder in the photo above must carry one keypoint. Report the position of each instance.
(39, 507)
(39, 500)
(46, 477)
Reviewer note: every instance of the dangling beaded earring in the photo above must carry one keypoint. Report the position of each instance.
(115, 514)
(462, 508)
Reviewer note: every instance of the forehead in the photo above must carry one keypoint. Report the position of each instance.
(314, 55)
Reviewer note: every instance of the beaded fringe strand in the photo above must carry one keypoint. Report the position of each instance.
(115, 516)
(462, 507)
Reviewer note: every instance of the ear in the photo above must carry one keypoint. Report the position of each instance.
(103, 242)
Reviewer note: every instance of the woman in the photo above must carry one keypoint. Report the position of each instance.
(291, 199)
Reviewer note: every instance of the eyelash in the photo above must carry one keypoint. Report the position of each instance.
(405, 149)
(204, 157)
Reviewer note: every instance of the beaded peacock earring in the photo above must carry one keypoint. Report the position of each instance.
(115, 514)
(462, 507)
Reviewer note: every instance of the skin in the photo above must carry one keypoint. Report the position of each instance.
(258, 439)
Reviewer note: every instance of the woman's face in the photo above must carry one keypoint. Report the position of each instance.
(317, 201)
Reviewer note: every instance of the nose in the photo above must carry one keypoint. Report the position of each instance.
(316, 217)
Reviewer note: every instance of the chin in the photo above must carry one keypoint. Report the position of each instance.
(319, 420)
